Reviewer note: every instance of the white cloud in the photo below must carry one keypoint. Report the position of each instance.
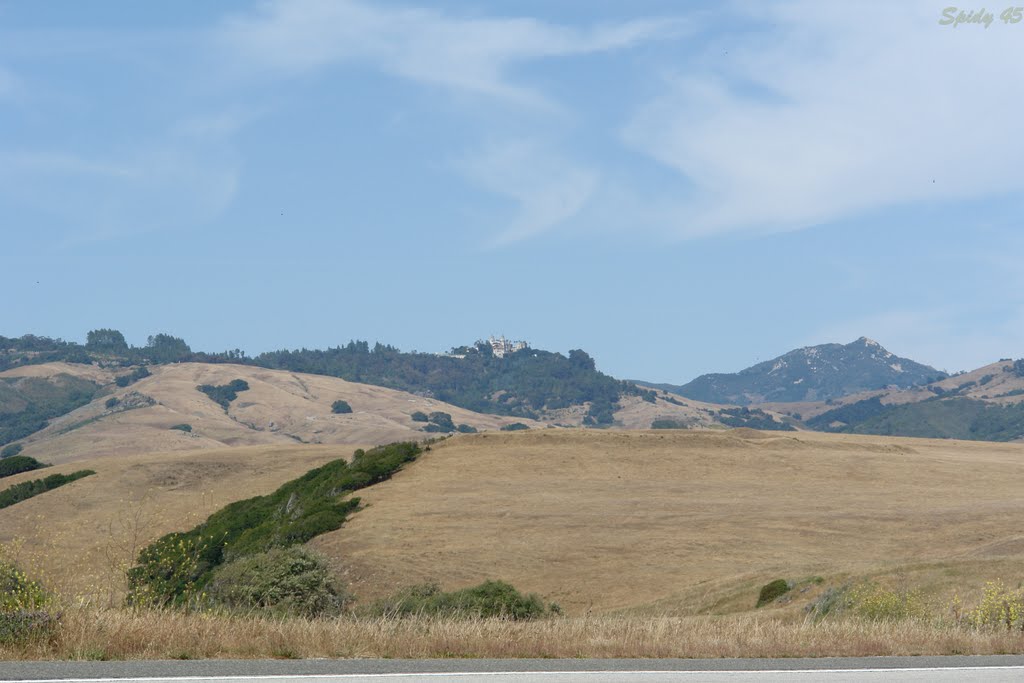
(835, 112)
(427, 46)
(547, 189)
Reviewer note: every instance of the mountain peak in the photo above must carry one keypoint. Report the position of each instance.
(813, 373)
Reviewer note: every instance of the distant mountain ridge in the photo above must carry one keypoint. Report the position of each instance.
(813, 373)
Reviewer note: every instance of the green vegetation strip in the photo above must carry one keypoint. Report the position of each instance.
(18, 464)
(176, 568)
(30, 489)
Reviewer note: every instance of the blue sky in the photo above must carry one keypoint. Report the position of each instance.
(677, 188)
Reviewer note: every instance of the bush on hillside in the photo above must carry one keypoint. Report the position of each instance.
(466, 429)
(24, 607)
(288, 581)
(514, 427)
(30, 489)
(490, 599)
(112, 402)
(772, 591)
(187, 428)
(340, 407)
(668, 423)
(174, 569)
(10, 450)
(18, 464)
(133, 376)
(443, 421)
(419, 416)
(224, 394)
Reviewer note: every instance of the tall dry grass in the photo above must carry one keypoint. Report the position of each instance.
(122, 634)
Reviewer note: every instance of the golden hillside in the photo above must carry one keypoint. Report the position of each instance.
(280, 408)
(80, 537)
(682, 521)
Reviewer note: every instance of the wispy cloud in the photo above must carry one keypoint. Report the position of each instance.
(156, 188)
(831, 112)
(546, 189)
(426, 46)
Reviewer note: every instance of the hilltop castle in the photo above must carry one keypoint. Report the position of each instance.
(500, 346)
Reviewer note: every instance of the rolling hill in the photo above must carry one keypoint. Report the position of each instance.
(682, 522)
(165, 411)
(813, 373)
(649, 521)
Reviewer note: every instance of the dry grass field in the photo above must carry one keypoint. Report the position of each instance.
(120, 634)
(654, 543)
(683, 523)
(79, 538)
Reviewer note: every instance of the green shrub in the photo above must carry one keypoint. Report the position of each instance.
(30, 489)
(20, 626)
(133, 376)
(419, 416)
(175, 568)
(489, 599)
(1000, 607)
(187, 428)
(466, 429)
(668, 423)
(514, 427)
(18, 464)
(112, 402)
(443, 421)
(224, 394)
(341, 407)
(24, 613)
(290, 581)
(772, 591)
(10, 450)
(878, 603)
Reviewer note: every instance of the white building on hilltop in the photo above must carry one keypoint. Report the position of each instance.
(500, 346)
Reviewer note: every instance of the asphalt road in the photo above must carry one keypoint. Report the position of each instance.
(861, 670)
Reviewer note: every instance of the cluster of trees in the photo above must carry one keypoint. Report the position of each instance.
(104, 345)
(754, 418)
(224, 394)
(949, 418)
(28, 404)
(438, 421)
(18, 464)
(30, 489)
(518, 384)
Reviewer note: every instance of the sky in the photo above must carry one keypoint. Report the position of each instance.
(677, 188)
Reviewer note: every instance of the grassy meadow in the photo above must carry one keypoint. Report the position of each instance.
(653, 544)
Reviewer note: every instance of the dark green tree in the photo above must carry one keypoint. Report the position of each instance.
(106, 341)
(163, 348)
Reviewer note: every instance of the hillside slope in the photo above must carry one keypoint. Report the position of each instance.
(80, 537)
(618, 520)
(279, 408)
(813, 373)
